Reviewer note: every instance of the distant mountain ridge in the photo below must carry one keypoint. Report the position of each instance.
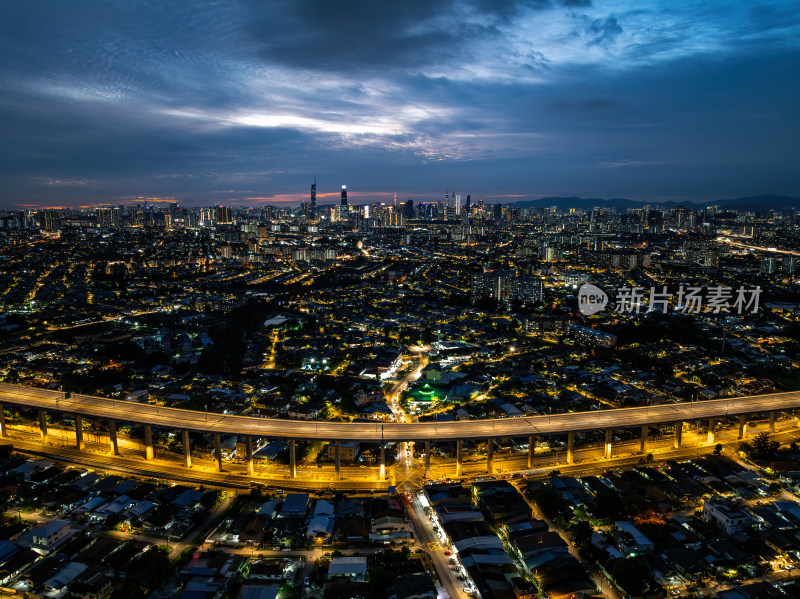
(765, 202)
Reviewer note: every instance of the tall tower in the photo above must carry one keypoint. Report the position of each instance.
(314, 198)
(344, 210)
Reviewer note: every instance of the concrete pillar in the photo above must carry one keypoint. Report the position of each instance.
(643, 438)
(742, 426)
(607, 445)
(338, 462)
(490, 456)
(293, 463)
(772, 415)
(531, 448)
(676, 443)
(79, 432)
(459, 457)
(3, 432)
(187, 449)
(112, 437)
(570, 448)
(43, 425)
(218, 451)
(149, 452)
(710, 429)
(249, 455)
(427, 459)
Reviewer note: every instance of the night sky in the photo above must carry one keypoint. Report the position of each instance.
(244, 102)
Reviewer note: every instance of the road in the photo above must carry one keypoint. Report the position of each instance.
(423, 532)
(204, 422)
(419, 362)
(756, 247)
(406, 473)
(197, 535)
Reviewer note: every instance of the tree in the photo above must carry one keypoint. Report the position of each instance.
(581, 532)
(12, 376)
(607, 505)
(763, 446)
(549, 500)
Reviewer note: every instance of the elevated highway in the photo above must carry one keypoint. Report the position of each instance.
(189, 421)
(102, 408)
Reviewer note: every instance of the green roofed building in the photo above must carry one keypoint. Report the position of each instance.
(427, 393)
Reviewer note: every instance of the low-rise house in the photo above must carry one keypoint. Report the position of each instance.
(140, 395)
(348, 451)
(259, 592)
(348, 568)
(414, 586)
(49, 534)
(466, 535)
(271, 569)
(390, 526)
(630, 540)
(94, 583)
(726, 516)
(564, 576)
(61, 581)
(320, 527)
(16, 564)
(295, 505)
(501, 503)
(304, 411)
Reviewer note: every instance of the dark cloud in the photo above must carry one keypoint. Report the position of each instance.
(603, 31)
(318, 34)
(209, 101)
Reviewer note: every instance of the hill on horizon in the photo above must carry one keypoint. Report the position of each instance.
(763, 202)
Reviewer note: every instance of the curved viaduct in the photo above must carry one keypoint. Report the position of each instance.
(113, 411)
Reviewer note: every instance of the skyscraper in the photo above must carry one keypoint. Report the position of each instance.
(104, 217)
(409, 208)
(344, 209)
(224, 214)
(48, 220)
(313, 213)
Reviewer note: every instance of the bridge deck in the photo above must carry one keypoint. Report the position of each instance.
(174, 418)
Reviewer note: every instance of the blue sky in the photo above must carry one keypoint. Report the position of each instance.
(244, 102)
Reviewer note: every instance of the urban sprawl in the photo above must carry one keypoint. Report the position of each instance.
(457, 313)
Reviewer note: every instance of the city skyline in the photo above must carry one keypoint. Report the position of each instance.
(243, 104)
(217, 391)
